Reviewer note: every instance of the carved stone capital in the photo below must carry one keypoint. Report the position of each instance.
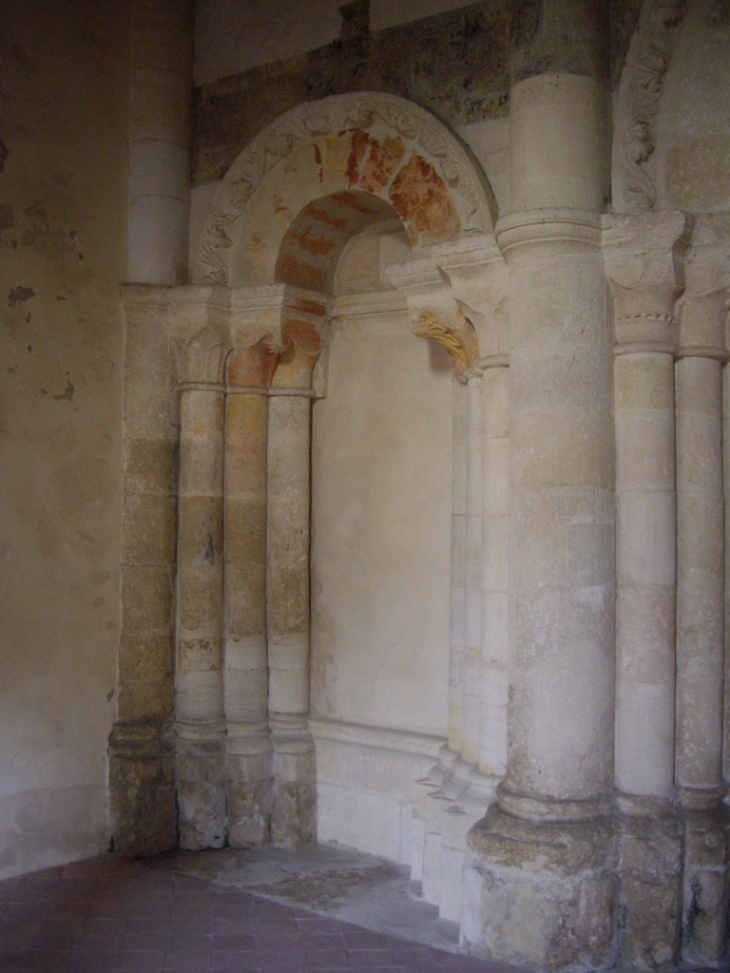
(644, 258)
(278, 334)
(435, 313)
(479, 279)
(200, 333)
(252, 367)
(702, 310)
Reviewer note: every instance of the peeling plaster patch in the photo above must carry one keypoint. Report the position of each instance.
(68, 392)
(19, 295)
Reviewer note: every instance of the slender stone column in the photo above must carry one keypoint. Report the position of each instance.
(293, 817)
(472, 659)
(495, 567)
(199, 677)
(700, 596)
(540, 888)
(644, 262)
(477, 274)
(458, 575)
(248, 746)
(434, 313)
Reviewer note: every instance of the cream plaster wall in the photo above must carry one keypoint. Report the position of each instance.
(65, 87)
(381, 506)
(693, 150)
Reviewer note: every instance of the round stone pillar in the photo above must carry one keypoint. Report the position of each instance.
(540, 888)
(700, 596)
(199, 726)
(248, 746)
(293, 816)
(644, 262)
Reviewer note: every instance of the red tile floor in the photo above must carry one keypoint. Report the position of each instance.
(111, 914)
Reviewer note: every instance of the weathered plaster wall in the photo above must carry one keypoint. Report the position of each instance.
(64, 89)
(693, 129)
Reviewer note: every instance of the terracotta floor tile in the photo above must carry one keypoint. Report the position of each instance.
(234, 941)
(142, 959)
(187, 959)
(112, 915)
(238, 960)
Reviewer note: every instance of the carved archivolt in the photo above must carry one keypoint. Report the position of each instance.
(639, 96)
(326, 117)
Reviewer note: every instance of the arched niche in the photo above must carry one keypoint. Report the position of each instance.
(357, 214)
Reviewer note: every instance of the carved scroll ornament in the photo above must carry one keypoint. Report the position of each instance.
(640, 93)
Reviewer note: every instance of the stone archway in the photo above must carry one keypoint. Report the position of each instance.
(247, 337)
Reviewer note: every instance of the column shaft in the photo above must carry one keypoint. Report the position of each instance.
(495, 571)
(700, 657)
(198, 677)
(700, 595)
(288, 538)
(649, 836)
(646, 574)
(471, 667)
(458, 580)
(248, 747)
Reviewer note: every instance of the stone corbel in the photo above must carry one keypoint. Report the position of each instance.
(200, 334)
(435, 313)
(702, 308)
(477, 272)
(644, 258)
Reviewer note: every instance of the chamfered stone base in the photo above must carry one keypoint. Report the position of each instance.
(706, 898)
(650, 899)
(201, 794)
(294, 794)
(142, 789)
(541, 894)
(248, 803)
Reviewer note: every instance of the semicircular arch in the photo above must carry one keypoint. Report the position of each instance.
(341, 147)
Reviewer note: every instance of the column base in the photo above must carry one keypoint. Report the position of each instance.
(650, 898)
(142, 789)
(541, 894)
(199, 778)
(706, 911)
(294, 792)
(248, 785)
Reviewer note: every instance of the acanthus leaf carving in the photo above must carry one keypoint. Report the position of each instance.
(455, 334)
(202, 357)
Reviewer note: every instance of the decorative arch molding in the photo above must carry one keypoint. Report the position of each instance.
(338, 116)
(640, 92)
